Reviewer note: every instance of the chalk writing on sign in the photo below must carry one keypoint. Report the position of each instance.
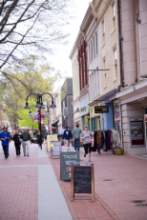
(65, 164)
(82, 179)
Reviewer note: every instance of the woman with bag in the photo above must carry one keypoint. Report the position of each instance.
(17, 143)
(86, 136)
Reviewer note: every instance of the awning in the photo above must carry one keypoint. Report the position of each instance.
(55, 124)
(109, 96)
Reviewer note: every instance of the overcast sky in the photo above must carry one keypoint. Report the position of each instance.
(60, 60)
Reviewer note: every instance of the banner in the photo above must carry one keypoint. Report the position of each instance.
(36, 116)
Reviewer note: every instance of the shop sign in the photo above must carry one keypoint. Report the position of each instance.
(101, 109)
(83, 109)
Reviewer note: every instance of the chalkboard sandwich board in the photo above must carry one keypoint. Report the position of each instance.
(66, 158)
(55, 149)
(82, 180)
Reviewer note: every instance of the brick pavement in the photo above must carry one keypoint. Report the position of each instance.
(128, 176)
(19, 187)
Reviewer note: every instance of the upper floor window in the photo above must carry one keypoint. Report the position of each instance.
(96, 43)
(89, 53)
(113, 17)
(115, 63)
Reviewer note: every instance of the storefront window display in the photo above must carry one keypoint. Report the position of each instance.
(116, 112)
(137, 131)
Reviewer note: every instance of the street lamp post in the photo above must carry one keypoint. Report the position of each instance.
(39, 105)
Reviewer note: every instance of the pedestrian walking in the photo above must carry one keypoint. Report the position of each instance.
(5, 138)
(25, 136)
(67, 135)
(39, 139)
(17, 143)
(76, 134)
(62, 131)
(86, 136)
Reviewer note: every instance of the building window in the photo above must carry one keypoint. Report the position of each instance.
(94, 47)
(113, 17)
(103, 32)
(89, 54)
(105, 75)
(96, 43)
(115, 63)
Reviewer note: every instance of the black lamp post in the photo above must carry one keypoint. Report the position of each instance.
(39, 105)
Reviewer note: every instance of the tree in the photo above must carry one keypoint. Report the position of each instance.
(24, 120)
(30, 26)
(34, 79)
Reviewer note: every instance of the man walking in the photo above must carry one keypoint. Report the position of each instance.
(5, 138)
(67, 135)
(76, 134)
(25, 136)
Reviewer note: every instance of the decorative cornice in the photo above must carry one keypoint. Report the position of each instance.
(75, 46)
(93, 10)
(100, 16)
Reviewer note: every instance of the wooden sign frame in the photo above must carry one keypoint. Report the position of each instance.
(92, 183)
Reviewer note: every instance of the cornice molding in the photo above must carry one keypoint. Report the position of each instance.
(100, 16)
(75, 46)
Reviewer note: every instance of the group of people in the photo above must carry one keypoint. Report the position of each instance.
(77, 134)
(23, 138)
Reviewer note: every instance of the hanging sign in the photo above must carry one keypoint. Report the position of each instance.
(101, 109)
(36, 116)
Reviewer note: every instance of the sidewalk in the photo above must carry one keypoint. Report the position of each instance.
(128, 182)
(31, 189)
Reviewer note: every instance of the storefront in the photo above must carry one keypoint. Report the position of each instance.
(84, 109)
(95, 119)
(133, 106)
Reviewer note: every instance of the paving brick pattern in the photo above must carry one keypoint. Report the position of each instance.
(128, 176)
(18, 193)
(19, 187)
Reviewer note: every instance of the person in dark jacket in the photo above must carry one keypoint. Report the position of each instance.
(67, 135)
(17, 143)
(25, 136)
(5, 138)
(39, 139)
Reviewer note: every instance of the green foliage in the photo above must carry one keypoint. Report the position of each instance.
(24, 120)
(22, 82)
